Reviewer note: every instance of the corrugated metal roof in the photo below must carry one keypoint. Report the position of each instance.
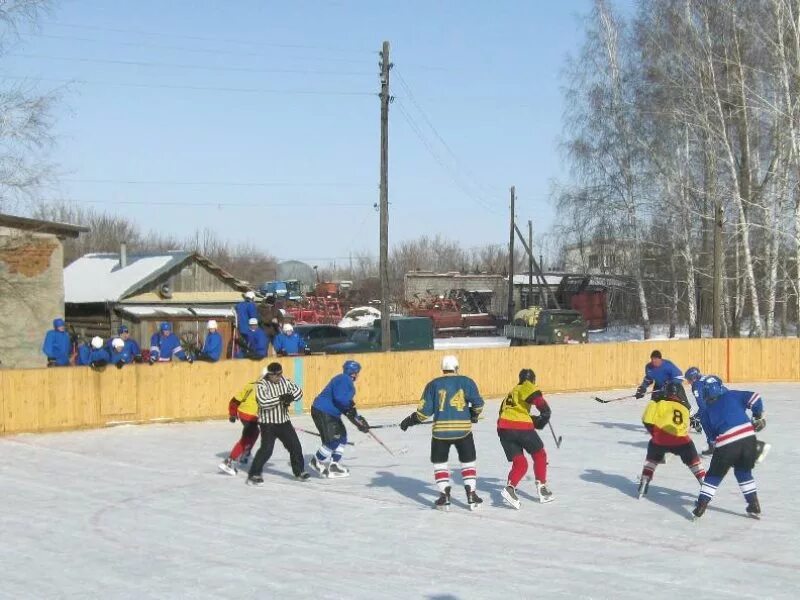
(230, 297)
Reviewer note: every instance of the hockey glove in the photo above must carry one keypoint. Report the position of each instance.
(474, 413)
(759, 423)
(409, 421)
(232, 418)
(286, 399)
(51, 362)
(138, 358)
(120, 364)
(152, 360)
(640, 392)
(541, 421)
(361, 423)
(694, 423)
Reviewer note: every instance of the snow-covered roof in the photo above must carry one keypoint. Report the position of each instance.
(173, 311)
(550, 279)
(98, 277)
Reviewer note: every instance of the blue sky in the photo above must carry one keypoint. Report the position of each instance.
(197, 102)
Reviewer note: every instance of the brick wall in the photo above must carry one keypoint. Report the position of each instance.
(31, 294)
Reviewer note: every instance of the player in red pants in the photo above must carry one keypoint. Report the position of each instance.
(516, 428)
(243, 406)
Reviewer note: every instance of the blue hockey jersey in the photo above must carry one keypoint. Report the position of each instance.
(57, 347)
(164, 347)
(291, 344)
(124, 356)
(245, 311)
(660, 376)
(448, 399)
(726, 418)
(255, 344)
(337, 397)
(699, 391)
(212, 346)
(88, 355)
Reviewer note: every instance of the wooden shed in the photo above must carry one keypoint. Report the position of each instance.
(105, 290)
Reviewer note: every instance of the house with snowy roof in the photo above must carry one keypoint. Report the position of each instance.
(105, 290)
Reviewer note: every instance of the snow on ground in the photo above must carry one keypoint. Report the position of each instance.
(141, 512)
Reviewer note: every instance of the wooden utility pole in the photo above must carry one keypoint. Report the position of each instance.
(511, 260)
(530, 263)
(718, 258)
(386, 341)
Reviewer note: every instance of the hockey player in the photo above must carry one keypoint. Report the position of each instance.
(288, 342)
(454, 403)
(667, 420)
(246, 310)
(119, 355)
(735, 443)
(253, 342)
(165, 345)
(658, 373)
(56, 345)
(243, 406)
(93, 354)
(516, 428)
(698, 381)
(335, 400)
(131, 346)
(275, 393)
(212, 345)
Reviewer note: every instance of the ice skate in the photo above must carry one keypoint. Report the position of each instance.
(763, 449)
(545, 495)
(644, 484)
(699, 508)
(509, 494)
(336, 470)
(257, 480)
(443, 501)
(226, 466)
(319, 466)
(473, 499)
(304, 476)
(754, 508)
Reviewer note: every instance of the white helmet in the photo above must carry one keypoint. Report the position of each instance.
(97, 342)
(212, 324)
(287, 328)
(117, 343)
(251, 295)
(449, 363)
(253, 321)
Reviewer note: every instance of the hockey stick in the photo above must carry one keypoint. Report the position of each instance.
(301, 430)
(377, 439)
(557, 439)
(620, 398)
(388, 425)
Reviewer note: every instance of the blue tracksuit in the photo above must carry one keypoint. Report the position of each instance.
(212, 346)
(245, 311)
(257, 344)
(337, 397)
(291, 344)
(57, 347)
(124, 357)
(164, 348)
(661, 376)
(88, 355)
(131, 347)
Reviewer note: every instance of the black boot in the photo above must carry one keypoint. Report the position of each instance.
(700, 507)
(473, 499)
(443, 501)
(754, 507)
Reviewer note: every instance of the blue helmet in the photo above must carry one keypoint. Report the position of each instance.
(692, 374)
(166, 326)
(351, 367)
(713, 389)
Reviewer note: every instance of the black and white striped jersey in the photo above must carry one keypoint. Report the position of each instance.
(270, 407)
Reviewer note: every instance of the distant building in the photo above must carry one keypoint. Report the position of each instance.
(105, 290)
(297, 270)
(31, 286)
(492, 289)
(598, 257)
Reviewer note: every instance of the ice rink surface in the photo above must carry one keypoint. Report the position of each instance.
(141, 512)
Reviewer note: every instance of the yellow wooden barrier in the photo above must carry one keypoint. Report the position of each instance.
(78, 397)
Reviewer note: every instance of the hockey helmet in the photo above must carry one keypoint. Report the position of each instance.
(527, 375)
(251, 295)
(671, 390)
(212, 324)
(713, 389)
(59, 322)
(692, 374)
(165, 326)
(97, 342)
(450, 363)
(288, 328)
(118, 343)
(351, 367)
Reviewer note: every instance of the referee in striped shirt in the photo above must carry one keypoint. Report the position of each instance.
(274, 394)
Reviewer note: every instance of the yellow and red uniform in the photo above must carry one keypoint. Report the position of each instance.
(667, 421)
(245, 404)
(515, 409)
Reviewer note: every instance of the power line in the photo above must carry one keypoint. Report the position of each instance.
(208, 39)
(216, 51)
(220, 183)
(136, 63)
(195, 88)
